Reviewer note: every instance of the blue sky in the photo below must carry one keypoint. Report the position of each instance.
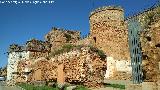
(21, 22)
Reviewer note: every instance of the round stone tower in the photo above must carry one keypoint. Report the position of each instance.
(109, 33)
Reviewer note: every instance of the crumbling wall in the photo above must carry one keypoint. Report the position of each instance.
(150, 43)
(24, 68)
(83, 66)
(33, 49)
(58, 37)
(80, 66)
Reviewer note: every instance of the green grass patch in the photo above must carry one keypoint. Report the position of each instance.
(115, 85)
(80, 87)
(32, 87)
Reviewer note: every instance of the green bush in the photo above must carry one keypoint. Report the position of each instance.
(65, 48)
(68, 37)
(99, 52)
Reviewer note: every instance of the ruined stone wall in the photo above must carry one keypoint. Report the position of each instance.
(109, 32)
(81, 66)
(149, 39)
(150, 43)
(33, 49)
(58, 37)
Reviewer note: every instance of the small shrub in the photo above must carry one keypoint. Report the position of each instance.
(68, 37)
(99, 52)
(65, 48)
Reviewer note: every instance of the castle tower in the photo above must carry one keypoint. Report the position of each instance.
(109, 32)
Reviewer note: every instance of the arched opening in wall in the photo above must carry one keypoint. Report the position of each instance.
(94, 38)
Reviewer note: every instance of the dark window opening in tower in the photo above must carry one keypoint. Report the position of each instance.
(148, 38)
(94, 39)
(157, 45)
